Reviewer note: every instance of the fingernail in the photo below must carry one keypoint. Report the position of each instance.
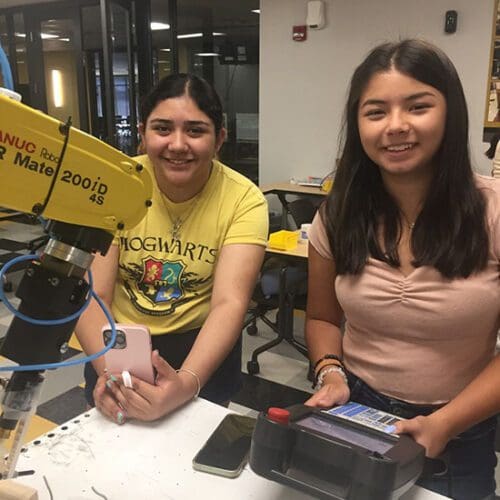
(113, 378)
(109, 384)
(120, 418)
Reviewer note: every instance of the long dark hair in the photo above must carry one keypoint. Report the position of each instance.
(450, 232)
(179, 84)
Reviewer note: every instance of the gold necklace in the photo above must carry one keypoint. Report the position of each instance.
(409, 225)
(175, 231)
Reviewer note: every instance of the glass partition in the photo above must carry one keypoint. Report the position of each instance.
(220, 42)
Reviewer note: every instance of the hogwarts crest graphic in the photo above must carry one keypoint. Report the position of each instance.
(157, 287)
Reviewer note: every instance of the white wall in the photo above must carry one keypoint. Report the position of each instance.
(303, 85)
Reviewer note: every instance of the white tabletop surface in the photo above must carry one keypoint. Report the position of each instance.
(147, 461)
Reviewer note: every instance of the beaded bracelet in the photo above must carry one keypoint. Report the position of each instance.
(323, 373)
(328, 356)
(198, 383)
(323, 367)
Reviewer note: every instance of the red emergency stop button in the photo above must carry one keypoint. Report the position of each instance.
(279, 415)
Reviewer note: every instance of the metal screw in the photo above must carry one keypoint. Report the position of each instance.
(54, 281)
(37, 208)
(64, 348)
(30, 272)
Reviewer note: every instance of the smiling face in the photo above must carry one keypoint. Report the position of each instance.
(401, 123)
(180, 141)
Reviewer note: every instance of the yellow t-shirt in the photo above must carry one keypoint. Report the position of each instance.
(165, 282)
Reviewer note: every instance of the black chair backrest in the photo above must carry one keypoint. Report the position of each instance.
(302, 211)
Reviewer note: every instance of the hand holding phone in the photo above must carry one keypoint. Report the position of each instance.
(131, 352)
(226, 450)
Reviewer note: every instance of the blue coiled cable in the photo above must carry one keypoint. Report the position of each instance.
(8, 82)
(15, 312)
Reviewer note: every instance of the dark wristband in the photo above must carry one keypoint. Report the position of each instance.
(328, 356)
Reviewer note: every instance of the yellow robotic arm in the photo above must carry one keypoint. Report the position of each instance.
(87, 190)
(95, 185)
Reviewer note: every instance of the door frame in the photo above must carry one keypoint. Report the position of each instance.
(107, 45)
(33, 17)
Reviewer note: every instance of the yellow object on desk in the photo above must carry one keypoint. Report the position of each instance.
(283, 240)
(327, 184)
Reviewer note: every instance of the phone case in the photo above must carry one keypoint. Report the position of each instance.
(218, 471)
(131, 352)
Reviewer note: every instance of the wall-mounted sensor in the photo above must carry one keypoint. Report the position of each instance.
(450, 21)
(315, 14)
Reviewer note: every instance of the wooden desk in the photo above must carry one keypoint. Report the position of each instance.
(289, 188)
(147, 461)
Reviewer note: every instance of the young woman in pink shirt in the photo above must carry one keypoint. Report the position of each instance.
(406, 250)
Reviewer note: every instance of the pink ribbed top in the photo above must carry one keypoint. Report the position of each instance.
(420, 338)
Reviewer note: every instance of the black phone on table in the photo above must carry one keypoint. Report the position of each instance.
(226, 451)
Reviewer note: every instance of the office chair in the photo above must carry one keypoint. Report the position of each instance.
(282, 286)
(302, 211)
(288, 297)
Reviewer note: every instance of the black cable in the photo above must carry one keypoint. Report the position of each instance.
(39, 208)
(48, 487)
(98, 494)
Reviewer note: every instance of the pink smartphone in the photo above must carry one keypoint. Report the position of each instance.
(131, 352)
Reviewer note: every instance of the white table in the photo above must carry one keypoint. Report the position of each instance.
(147, 461)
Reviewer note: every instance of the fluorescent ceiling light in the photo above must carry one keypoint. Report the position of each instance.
(64, 39)
(57, 88)
(207, 54)
(164, 50)
(198, 35)
(191, 35)
(45, 36)
(256, 11)
(155, 26)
